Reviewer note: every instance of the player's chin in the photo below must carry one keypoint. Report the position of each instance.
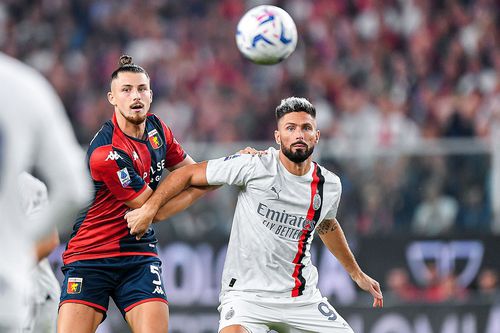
(137, 118)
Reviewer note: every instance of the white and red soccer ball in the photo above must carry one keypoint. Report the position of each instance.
(266, 35)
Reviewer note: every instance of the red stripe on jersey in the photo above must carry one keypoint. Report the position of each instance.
(306, 232)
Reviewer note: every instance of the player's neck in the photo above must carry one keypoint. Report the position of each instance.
(297, 169)
(130, 129)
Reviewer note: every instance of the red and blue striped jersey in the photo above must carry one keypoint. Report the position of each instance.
(121, 168)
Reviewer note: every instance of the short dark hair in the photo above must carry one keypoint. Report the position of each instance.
(125, 64)
(294, 104)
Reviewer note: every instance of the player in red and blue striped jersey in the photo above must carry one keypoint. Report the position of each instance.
(102, 259)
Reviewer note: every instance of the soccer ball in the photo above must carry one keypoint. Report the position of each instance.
(266, 35)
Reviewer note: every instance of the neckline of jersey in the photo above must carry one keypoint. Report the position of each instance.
(145, 141)
(290, 175)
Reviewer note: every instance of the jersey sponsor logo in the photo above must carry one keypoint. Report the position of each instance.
(124, 177)
(74, 285)
(155, 139)
(231, 157)
(113, 155)
(316, 201)
(284, 224)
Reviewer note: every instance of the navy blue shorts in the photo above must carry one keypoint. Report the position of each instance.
(129, 281)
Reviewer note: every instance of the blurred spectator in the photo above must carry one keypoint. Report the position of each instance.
(440, 289)
(474, 215)
(436, 214)
(487, 284)
(400, 288)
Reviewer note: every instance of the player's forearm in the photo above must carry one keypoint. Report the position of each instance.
(333, 237)
(174, 184)
(181, 201)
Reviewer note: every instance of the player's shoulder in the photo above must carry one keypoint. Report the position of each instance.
(26, 81)
(103, 137)
(264, 164)
(151, 117)
(269, 159)
(329, 176)
(103, 150)
(20, 74)
(155, 123)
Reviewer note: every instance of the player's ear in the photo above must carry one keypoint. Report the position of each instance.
(111, 98)
(277, 137)
(150, 95)
(318, 134)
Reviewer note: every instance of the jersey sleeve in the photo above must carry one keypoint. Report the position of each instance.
(231, 170)
(175, 154)
(332, 213)
(115, 168)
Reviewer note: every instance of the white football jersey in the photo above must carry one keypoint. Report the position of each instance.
(34, 133)
(44, 291)
(34, 199)
(277, 212)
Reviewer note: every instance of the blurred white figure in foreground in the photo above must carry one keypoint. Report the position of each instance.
(34, 134)
(44, 291)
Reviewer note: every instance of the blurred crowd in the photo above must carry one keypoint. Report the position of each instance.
(381, 73)
(441, 288)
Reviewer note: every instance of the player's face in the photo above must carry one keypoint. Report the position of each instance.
(131, 96)
(297, 135)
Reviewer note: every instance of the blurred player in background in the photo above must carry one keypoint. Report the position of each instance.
(44, 289)
(268, 275)
(102, 259)
(34, 134)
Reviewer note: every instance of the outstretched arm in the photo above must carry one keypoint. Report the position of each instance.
(333, 237)
(140, 219)
(182, 201)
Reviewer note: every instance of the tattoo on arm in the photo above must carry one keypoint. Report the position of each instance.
(327, 226)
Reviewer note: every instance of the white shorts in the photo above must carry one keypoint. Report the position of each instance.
(258, 316)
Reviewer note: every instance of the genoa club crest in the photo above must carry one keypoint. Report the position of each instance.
(155, 139)
(74, 285)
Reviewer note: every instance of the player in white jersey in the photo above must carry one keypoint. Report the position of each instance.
(34, 134)
(45, 290)
(268, 276)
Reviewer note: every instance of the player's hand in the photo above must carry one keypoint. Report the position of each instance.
(138, 221)
(372, 286)
(252, 151)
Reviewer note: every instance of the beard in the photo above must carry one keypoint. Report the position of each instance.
(135, 119)
(300, 154)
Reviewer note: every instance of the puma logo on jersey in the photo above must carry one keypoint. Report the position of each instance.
(273, 189)
(113, 155)
(158, 290)
(134, 154)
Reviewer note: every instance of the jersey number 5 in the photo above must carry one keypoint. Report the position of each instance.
(156, 270)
